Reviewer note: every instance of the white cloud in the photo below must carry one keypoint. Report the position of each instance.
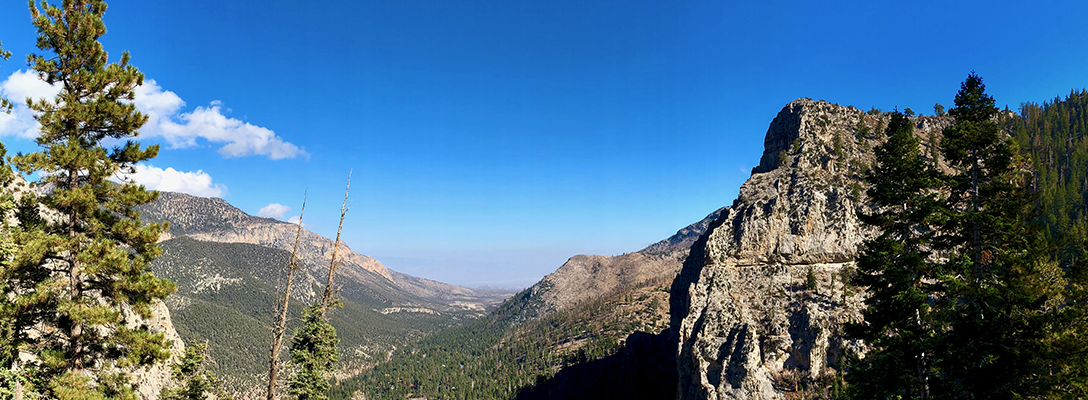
(182, 129)
(165, 119)
(23, 84)
(197, 183)
(294, 220)
(274, 210)
(17, 87)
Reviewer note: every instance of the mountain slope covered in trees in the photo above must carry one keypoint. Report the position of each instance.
(229, 270)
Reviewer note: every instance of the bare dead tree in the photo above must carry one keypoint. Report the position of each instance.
(281, 321)
(326, 299)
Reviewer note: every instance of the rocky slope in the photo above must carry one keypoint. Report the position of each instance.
(759, 305)
(584, 277)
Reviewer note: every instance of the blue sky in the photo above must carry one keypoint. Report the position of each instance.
(491, 140)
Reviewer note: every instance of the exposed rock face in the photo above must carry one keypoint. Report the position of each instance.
(215, 220)
(760, 301)
(151, 381)
(586, 276)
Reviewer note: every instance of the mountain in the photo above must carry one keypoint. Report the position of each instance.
(756, 293)
(595, 315)
(759, 306)
(753, 294)
(228, 267)
(584, 277)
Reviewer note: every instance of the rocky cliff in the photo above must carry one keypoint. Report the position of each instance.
(759, 304)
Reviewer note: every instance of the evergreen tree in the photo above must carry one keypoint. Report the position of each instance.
(5, 105)
(196, 383)
(895, 266)
(313, 352)
(313, 349)
(1004, 287)
(966, 300)
(80, 275)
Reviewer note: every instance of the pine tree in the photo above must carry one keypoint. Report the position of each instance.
(5, 105)
(966, 299)
(313, 349)
(896, 267)
(998, 270)
(314, 353)
(196, 383)
(12, 380)
(80, 276)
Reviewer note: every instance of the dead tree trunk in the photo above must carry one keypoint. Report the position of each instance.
(281, 321)
(326, 299)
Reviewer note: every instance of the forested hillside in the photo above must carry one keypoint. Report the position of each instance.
(500, 357)
(1055, 135)
(225, 294)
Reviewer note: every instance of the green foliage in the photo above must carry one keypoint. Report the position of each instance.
(908, 112)
(231, 310)
(74, 275)
(502, 354)
(5, 104)
(314, 355)
(1055, 136)
(862, 130)
(987, 318)
(836, 148)
(898, 322)
(811, 283)
(196, 383)
(938, 110)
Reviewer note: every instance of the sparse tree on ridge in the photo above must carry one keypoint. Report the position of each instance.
(80, 277)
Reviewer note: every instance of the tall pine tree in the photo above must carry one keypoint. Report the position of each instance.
(896, 267)
(966, 299)
(1003, 287)
(80, 281)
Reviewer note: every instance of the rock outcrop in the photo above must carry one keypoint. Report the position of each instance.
(759, 305)
(585, 277)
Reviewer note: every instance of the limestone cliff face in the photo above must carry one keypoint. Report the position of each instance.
(214, 220)
(150, 381)
(759, 304)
